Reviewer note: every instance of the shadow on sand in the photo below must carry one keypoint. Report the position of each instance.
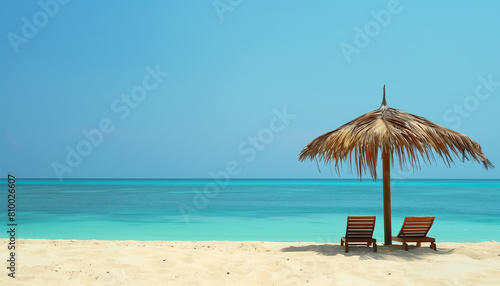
(390, 252)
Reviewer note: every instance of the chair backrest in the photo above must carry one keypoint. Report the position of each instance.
(360, 226)
(417, 226)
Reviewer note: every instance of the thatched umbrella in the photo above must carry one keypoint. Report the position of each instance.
(396, 134)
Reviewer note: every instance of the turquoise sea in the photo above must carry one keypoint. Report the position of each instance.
(266, 210)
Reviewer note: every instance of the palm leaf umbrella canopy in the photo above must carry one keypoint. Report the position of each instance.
(396, 134)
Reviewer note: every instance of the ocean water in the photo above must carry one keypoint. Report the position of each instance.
(266, 210)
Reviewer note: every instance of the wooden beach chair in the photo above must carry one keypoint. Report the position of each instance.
(359, 232)
(415, 229)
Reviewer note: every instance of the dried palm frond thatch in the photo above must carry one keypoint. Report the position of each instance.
(403, 135)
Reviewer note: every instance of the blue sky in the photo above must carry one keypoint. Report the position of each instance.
(200, 89)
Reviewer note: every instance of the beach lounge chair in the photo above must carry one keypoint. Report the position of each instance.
(359, 232)
(415, 229)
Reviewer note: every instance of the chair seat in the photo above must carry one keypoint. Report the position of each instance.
(414, 239)
(359, 239)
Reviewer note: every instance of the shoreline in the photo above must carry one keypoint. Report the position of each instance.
(126, 262)
(379, 243)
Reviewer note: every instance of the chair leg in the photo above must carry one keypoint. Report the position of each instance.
(405, 246)
(346, 247)
(433, 246)
(374, 247)
(419, 244)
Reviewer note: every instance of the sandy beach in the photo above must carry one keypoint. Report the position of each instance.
(92, 262)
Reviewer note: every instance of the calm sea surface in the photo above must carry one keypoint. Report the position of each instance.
(267, 210)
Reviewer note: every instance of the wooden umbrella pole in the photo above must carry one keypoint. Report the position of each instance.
(387, 197)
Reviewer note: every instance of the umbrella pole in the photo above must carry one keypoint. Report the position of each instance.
(387, 197)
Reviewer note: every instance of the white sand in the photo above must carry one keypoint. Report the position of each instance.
(75, 262)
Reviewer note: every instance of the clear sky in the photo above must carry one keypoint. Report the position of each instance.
(194, 89)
